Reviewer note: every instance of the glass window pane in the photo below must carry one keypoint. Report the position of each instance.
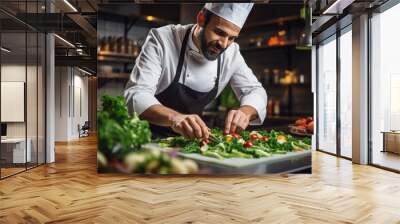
(385, 88)
(14, 153)
(41, 99)
(31, 97)
(346, 94)
(327, 96)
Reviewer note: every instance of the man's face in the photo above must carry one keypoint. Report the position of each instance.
(217, 36)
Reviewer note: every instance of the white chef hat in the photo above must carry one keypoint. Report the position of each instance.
(235, 13)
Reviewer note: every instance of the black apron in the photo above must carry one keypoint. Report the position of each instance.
(181, 98)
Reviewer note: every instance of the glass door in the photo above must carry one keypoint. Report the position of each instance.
(326, 96)
(22, 88)
(345, 60)
(385, 89)
(14, 153)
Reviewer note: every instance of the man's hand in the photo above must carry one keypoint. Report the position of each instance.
(239, 119)
(190, 126)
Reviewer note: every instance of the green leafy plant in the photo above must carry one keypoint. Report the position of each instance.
(228, 98)
(120, 133)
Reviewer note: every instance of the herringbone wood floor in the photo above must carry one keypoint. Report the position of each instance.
(70, 191)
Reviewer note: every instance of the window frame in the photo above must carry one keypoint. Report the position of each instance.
(335, 36)
(378, 10)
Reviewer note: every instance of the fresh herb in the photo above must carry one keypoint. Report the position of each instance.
(119, 133)
(244, 144)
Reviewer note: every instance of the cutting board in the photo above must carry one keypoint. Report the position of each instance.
(277, 163)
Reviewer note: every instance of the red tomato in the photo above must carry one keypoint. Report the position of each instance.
(236, 135)
(248, 144)
(204, 142)
(310, 126)
(301, 122)
(264, 138)
(226, 132)
(253, 136)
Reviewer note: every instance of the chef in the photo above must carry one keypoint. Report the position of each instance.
(182, 68)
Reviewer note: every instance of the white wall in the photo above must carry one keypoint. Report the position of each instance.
(33, 127)
(16, 73)
(62, 81)
(70, 83)
(80, 83)
(12, 73)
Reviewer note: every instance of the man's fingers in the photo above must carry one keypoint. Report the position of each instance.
(188, 129)
(235, 122)
(243, 123)
(182, 130)
(228, 120)
(203, 126)
(196, 127)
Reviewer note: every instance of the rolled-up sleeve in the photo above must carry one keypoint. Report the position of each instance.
(249, 90)
(142, 85)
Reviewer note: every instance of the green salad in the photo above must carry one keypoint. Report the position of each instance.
(245, 144)
(120, 133)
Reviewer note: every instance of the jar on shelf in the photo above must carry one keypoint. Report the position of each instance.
(252, 42)
(267, 76)
(276, 73)
(129, 47)
(259, 41)
(270, 107)
(112, 44)
(107, 41)
(101, 45)
(282, 37)
(121, 45)
(135, 48)
(301, 78)
(277, 107)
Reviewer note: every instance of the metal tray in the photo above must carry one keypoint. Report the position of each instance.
(279, 163)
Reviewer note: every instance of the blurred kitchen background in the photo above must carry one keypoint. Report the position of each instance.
(275, 43)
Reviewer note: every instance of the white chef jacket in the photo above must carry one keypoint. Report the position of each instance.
(157, 62)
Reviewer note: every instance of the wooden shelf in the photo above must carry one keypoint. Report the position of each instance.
(287, 85)
(281, 21)
(114, 54)
(285, 117)
(264, 47)
(115, 57)
(138, 20)
(114, 75)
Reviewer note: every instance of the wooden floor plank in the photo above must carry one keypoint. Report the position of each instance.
(70, 191)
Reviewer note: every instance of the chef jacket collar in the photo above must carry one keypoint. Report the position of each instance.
(193, 50)
(191, 43)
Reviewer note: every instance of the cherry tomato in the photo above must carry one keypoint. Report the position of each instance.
(228, 138)
(248, 144)
(264, 138)
(204, 142)
(253, 136)
(236, 135)
(226, 132)
(281, 139)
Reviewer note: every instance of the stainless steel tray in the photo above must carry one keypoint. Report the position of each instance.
(278, 163)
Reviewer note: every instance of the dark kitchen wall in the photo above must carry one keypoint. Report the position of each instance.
(263, 24)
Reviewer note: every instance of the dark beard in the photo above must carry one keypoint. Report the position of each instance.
(204, 47)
